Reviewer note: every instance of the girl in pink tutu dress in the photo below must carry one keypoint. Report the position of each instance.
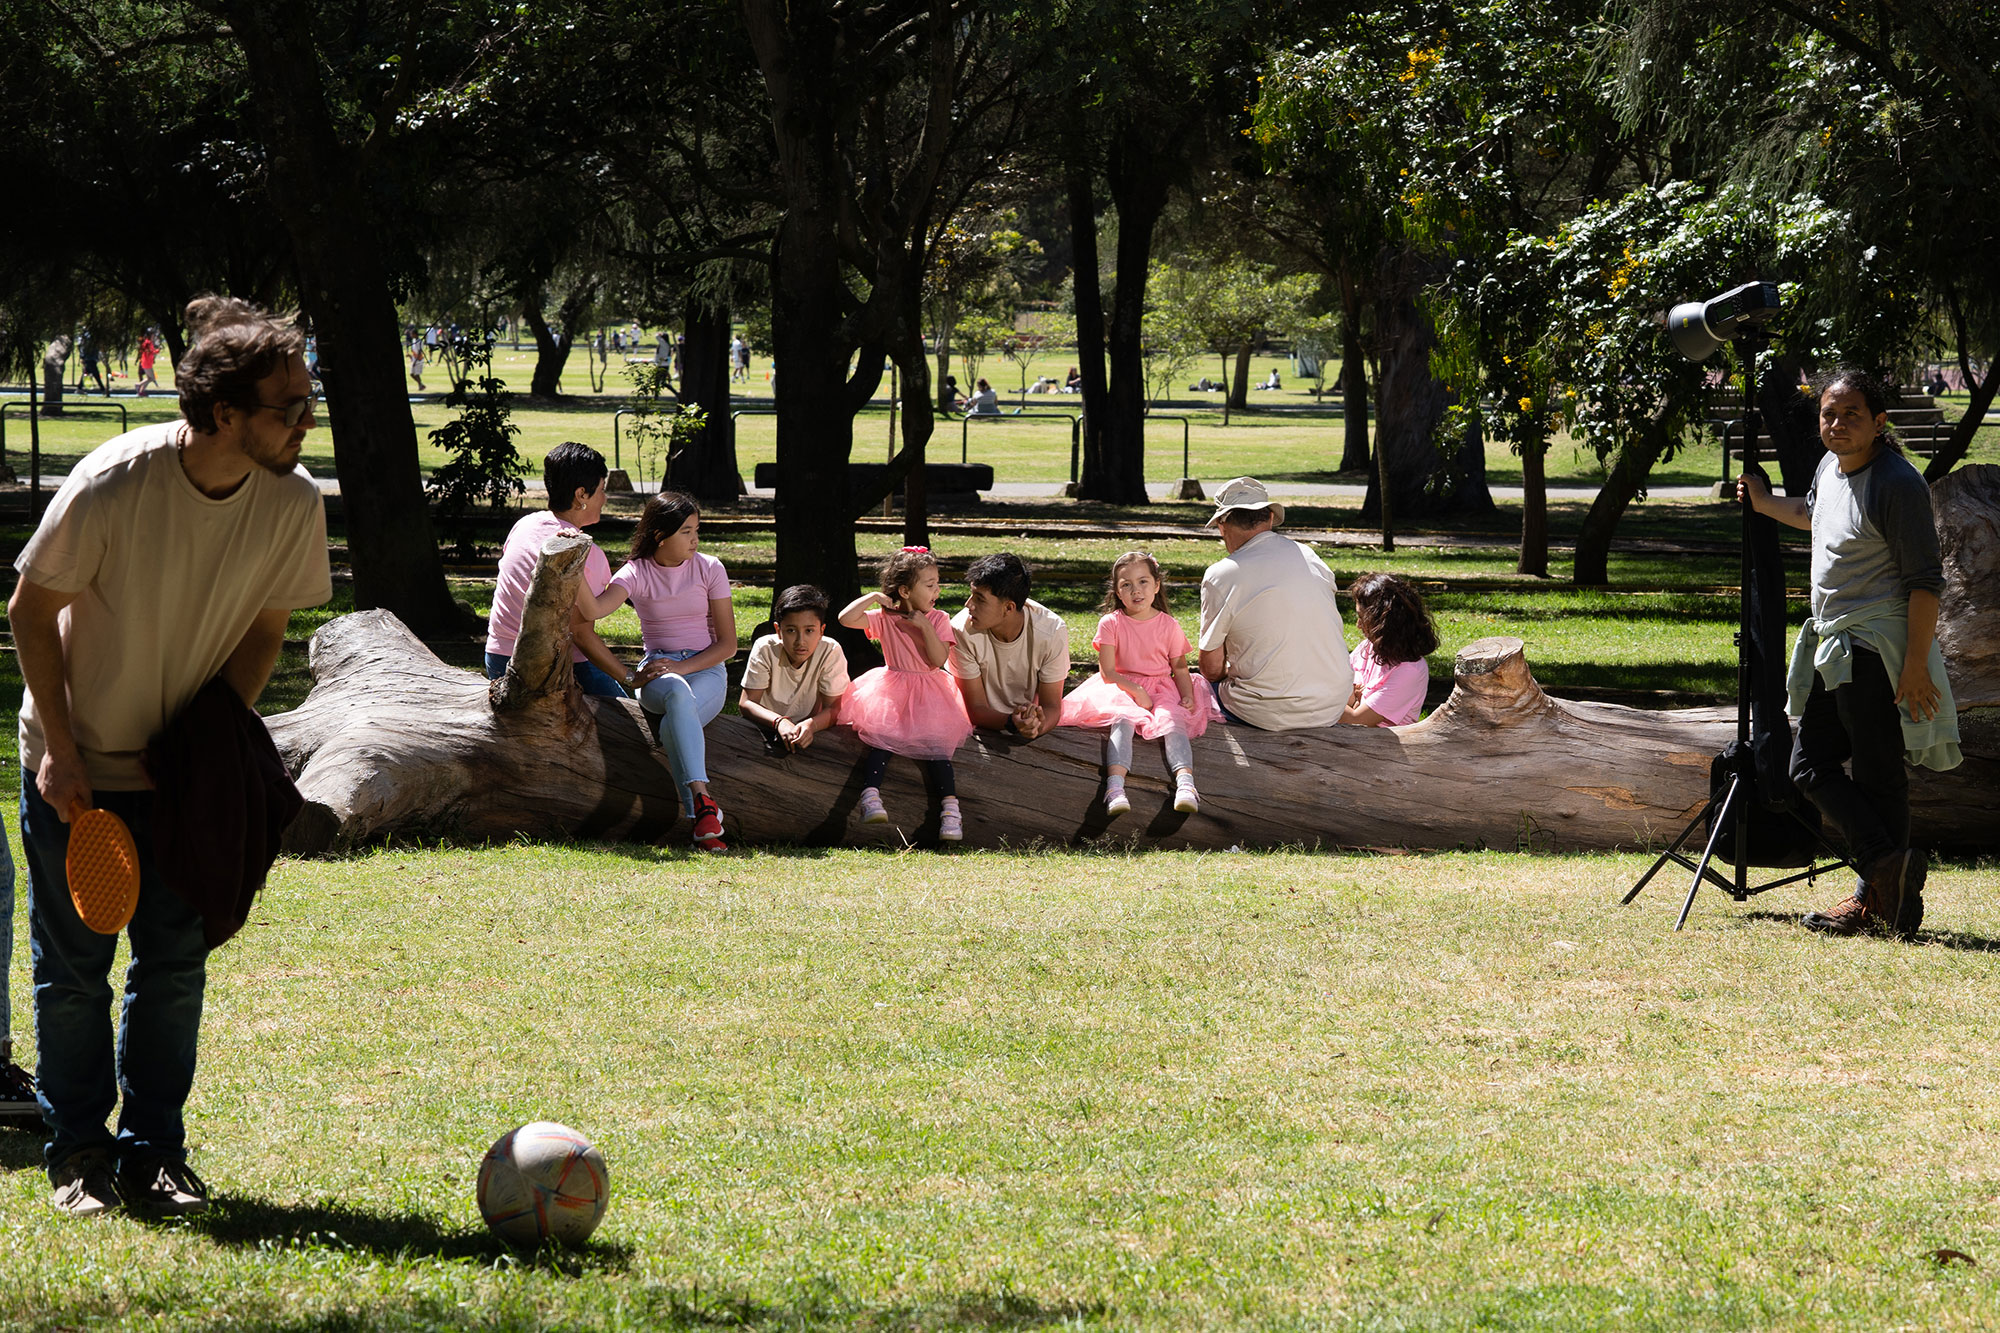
(910, 706)
(1142, 682)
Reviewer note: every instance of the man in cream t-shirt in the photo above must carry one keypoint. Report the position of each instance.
(172, 556)
(1271, 637)
(1011, 658)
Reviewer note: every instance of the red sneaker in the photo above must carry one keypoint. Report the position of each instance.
(708, 826)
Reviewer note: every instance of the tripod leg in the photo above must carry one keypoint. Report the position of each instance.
(1669, 854)
(1722, 816)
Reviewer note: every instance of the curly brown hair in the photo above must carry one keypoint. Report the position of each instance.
(236, 344)
(1111, 602)
(1391, 615)
(900, 570)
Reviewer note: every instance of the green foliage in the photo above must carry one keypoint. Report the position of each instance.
(484, 465)
(660, 429)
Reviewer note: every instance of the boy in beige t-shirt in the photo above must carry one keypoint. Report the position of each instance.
(795, 678)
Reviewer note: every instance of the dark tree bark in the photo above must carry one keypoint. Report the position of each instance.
(1354, 452)
(1090, 349)
(1534, 509)
(552, 348)
(320, 190)
(1115, 470)
(1628, 476)
(706, 468)
(1978, 400)
(1239, 380)
(1412, 404)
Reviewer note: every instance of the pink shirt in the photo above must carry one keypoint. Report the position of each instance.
(673, 603)
(1143, 647)
(1395, 692)
(901, 651)
(517, 571)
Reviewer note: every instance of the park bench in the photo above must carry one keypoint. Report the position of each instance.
(945, 484)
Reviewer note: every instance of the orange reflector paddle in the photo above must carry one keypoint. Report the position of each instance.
(103, 870)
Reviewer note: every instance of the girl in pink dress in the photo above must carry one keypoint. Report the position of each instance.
(910, 706)
(1390, 678)
(1142, 682)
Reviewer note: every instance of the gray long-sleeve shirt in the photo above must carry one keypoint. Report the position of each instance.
(1874, 536)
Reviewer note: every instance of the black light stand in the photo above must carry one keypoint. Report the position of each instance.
(1733, 808)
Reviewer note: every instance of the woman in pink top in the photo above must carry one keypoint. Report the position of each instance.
(1142, 682)
(688, 626)
(1390, 678)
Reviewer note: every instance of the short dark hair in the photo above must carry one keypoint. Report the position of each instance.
(1244, 517)
(1003, 574)
(234, 345)
(1391, 615)
(660, 519)
(1873, 392)
(571, 467)
(800, 597)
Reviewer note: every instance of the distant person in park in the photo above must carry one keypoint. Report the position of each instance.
(1867, 682)
(908, 705)
(1010, 654)
(1272, 381)
(1937, 386)
(149, 353)
(739, 359)
(1074, 384)
(1391, 679)
(663, 351)
(173, 555)
(576, 478)
(1271, 638)
(794, 680)
(86, 346)
(417, 363)
(984, 402)
(1142, 683)
(18, 1103)
(688, 625)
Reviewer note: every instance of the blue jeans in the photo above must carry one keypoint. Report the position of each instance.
(79, 1074)
(684, 705)
(591, 677)
(6, 946)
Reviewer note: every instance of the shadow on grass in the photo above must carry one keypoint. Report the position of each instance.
(1964, 941)
(21, 1143)
(251, 1222)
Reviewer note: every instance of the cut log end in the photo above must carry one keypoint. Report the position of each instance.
(1494, 685)
(539, 670)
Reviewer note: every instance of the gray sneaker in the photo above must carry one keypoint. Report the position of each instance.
(86, 1184)
(163, 1186)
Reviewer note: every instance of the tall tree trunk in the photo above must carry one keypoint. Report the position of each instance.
(1628, 476)
(1534, 509)
(318, 188)
(1354, 452)
(1239, 380)
(706, 467)
(1412, 406)
(1116, 470)
(1089, 295)
(947, 316)
(551, 350)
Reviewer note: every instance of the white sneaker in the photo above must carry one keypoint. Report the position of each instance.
(1116, 802)
(871, 806)
(951, 826)
(1186, 799)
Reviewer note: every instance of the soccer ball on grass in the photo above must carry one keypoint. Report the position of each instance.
(543, 1182)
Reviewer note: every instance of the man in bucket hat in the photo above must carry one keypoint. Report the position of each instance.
(1271, 637)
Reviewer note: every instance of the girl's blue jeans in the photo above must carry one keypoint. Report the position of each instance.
(684, 705)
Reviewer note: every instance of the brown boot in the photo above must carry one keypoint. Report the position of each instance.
(1849, 916)
(1896, 890)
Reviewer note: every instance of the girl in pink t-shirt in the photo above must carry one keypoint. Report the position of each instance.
(688, 626)
(1142, 682)
(910, 705)
(1390, 678)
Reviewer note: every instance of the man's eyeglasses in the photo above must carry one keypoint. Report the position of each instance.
(293, 410)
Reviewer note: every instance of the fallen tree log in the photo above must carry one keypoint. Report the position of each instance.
(392, 743)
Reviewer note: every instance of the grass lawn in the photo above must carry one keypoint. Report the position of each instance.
(1038, 1090)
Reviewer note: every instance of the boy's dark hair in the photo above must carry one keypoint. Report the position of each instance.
(901, 569)
(234, 345)
(1391, 615)
(571, 467)
(1111, 602)
(1873, 392)
(660, 519)
(800, 597)
(1003, 574)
